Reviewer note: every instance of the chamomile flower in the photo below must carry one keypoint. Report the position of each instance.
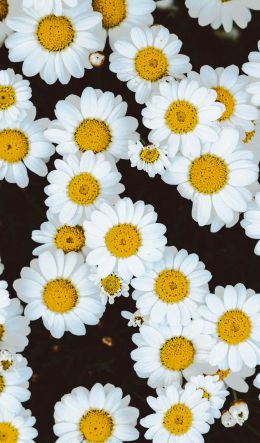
(165, 353)
(146, 57)
(95, 122)
(15, 327)
(251, 140)
(216, 180)
(57, 288)
(55, 46)
(79, 183)
(124, 237)
(251, 221)
(256, 382)
(151, 159)
(252, 68)
(8, 8)
(110, 287)
(181, 116)
(17, 426)
(4, 299)
(50, 5)
(15, 94)
(23, 146)
(135, 319)
(100, 414)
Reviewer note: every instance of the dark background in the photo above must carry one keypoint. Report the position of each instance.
(61, 365)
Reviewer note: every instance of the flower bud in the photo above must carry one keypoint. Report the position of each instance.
(228, 420)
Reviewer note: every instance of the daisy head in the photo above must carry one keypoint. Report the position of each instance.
(14, 327)
(252, 68)
(100, 414)
(251, 140)
(17, 426)
(48, 6)
(8, 9)
(124, 237)
(80, 183)
(151, 159)
(135, 319)
(56, 287)
(15, 94)
(146, 57)
(110, 287)
(251, 221)
(95, 122)
(181, 116)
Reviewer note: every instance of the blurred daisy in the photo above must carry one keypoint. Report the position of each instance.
(251, 222)
(252, 68)
(55, 46)
(15, 94)
(2, 266)
(256, 382)
(50, 5)
(172, 289)
(110, 287)
(23, 146)
(15, 328)
(100, 414)
(17, 427)
(95, 122)
(135, 319)
(251, 140)
(146, 57)
(124, 237)
(4, 299)
(79, 183)
(151, 159)
(181, 116)
(8, 8)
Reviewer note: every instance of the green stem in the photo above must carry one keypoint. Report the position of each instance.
(252, 429)
(142, 141)
(234, 394)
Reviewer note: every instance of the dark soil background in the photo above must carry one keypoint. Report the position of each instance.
(61, 365)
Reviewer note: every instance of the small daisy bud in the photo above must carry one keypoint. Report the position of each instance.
(239, 411)
(135, 319)
(97, 59)
(228, 420)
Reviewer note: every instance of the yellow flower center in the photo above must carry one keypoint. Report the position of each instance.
(96, 426)
(8, 433)
(60, 295)
(224, 96)
(7, 97)
(83, 189)
(4, 7)
(2, 331)
(93, 135)
(208, 174)
(171, 286)
(2, 384)
(70, 238)
(248, 136)
(178, 419)
(123, 240)
(222, 374)
(177, 353)
(234, 327)
(55, 33)
(181, 117)
(111, 284)
(150, 154)
(151, 64)
(6, 364)
(113, 11)
(14, 145)
(205, 394)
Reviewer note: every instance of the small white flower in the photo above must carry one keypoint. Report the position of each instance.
(251, 140)
(110, 287)
(251, 221)
(15, 94)
(135, 318)
(151, 159)
(14, 328)
(239, 411)
(4, 299)
(6, 359)
(228, 420)
(8, 9)
(256, 383)
(252, 68)
(17, 426)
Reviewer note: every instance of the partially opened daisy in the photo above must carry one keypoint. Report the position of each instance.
(110, 287)
(50, 5)
(135, 319)
(124, 238)
(181, 116)
(95, 122)
(145, 57)
(80, 183)
(151, 158)
(100, 414)
(172, 289)
(252, 68)
(15, 94)
(251, 222)
(15, 327)
(55, 46)
(4, 299)
(56, 287)
(8, 8)
(17, 427)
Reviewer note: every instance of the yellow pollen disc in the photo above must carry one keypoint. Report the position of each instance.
(113, 11)
(171, 286)
(208, 174)
(55, 33)
(224, 97)
(123, 240)
(2, 384)
(205, 394)
(3, 9)
(2, 331)
(181, 117)
(6, 364)
(178, 419)
(111, 284)
(14, 145)
(177, 353)
(7, 97)
(222, 374)
(8, 433)
(96, 426)
(70, 238)
(149, 154)
(151, 64)
(83, 189)
(93, 135)
(234, 327)
(60, 295)
(248, 136)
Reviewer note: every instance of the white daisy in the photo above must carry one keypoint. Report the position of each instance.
(216, 179)
(15, 94)
(165, 353)
(180, 415)
(57, 288)
(124, 237)
(55, 46)
(146, 57)
(256, 383)
(15, 327)
(232, 315)
(239, 411)
(8, 8)
(100, 414)
(251, 221)
(50, 5)
(17, 426)
(80, 183)
(181, 116)
(251, 140)
(23, 146)
(135, 319)
(252, 68)
(151, 159)
(231, 92)
(4, 299)
(7, 359)
(110, 287)
(95, 122)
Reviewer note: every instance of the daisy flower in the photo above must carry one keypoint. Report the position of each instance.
(166, 353)
(146, 57)
(151, 159)
(110, 287)
(80, 183)
(251, 140)
(15, 327)
(15, 94)
(232, 315)
(55, 46)
(252, 68)
(23, 146)
(135, 319)
(227, 419)
(231, 92)
(256, 382)
(124, 237)
(50, 5)
(180, 415)
(215, 179)
(57, 288)
(4, 299)
(7, 359)
(251, 221)
(239, 411)
(100, 414)
(95, 122)
(17, 426)
(8, 8)
(172, 289)
(181, 116)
